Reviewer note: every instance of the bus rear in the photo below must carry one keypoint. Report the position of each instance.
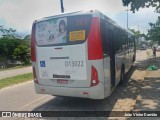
(66, 56)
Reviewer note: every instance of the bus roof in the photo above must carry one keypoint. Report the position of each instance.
(94, 13)
(64, 15)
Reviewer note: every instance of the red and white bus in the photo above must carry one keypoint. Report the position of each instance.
(80, 54)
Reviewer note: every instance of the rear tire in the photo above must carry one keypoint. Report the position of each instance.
(134, 58)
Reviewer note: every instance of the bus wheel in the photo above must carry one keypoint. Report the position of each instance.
(122, 76)
(134, 58)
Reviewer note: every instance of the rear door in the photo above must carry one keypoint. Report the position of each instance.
(106, 62)
(61, 51)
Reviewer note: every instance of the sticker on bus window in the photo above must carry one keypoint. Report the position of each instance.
(77, 35)
(52, 31)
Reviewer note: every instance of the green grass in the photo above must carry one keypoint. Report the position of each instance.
(15, 67)
(15, 80)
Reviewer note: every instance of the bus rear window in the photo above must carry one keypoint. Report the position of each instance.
(63, 31)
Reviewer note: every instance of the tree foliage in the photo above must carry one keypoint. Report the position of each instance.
(136, 4)
(8, 33)
(136, 33)
(154, 32)
(27, 39)
(12, 47)
(21, 53)
(7, 47)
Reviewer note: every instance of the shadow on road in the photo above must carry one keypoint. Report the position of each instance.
(149, 97)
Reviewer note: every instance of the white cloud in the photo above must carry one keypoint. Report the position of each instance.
(107, 6)
(20, 14)
(142, 18)
(138, 20)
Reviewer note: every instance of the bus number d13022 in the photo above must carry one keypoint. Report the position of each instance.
(74, 63)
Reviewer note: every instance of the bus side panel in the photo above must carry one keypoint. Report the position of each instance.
(98, 64)
(120, 59)
(107, 76)
(36, 86)
(127, 61)
(130, 53)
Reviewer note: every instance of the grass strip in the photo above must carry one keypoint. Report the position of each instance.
(15, 67)
(15, 80)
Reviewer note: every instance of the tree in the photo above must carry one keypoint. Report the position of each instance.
(136, 33)
(8, 33)
(12, 47)
(154, 32)
(27, 39)
(21, 53)
(136, 4)
(7, 47)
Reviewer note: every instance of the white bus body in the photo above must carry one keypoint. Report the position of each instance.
(69, 59)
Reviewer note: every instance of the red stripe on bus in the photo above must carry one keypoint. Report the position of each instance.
(33, 47)
(94, 41)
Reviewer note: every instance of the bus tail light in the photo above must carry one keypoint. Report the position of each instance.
(94, 77)
(34, 75)
(85, 93)
(33, 48)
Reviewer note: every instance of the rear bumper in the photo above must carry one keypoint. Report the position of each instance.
(96, 92)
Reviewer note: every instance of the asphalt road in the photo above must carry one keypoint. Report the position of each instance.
(14, 72)
(23, 96)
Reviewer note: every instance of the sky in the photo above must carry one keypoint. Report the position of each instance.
(20, 14)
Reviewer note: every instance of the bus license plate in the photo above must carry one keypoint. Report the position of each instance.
(62, 81)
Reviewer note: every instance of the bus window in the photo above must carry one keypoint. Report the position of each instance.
(78, 28)
(104, 39)
(118, 40)
(63, 30)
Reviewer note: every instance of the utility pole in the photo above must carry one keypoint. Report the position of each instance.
(62, 8)
(127, 17)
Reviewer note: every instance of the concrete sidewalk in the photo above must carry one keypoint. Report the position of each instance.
(149, 97)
